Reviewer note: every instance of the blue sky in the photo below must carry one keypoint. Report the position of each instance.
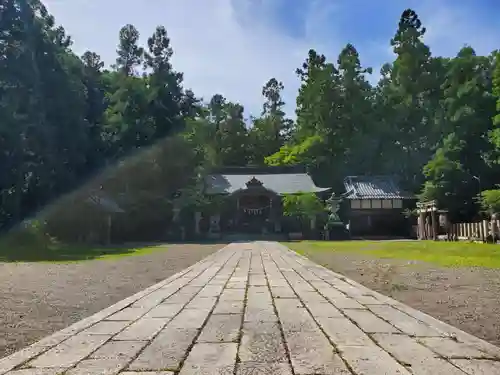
(233, 47)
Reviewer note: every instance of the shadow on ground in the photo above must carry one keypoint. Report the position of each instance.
(10, 252)
(66, 253)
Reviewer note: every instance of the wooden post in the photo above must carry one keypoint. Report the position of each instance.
(197, 219)
(494, 226)
(450, 225)
(445, 224)
(421, 225)
(313, 222)
(108, 234)
(434, 225)
(485, 229)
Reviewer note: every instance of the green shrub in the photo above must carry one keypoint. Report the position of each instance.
(490, 200)
(27, 241)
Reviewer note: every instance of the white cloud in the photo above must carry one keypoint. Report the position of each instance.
(222, 46)
(450, 25)
(233, 47)
(449, 28)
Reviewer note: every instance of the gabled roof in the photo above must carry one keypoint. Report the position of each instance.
(105, 203)
(374, 187)
(277, 179)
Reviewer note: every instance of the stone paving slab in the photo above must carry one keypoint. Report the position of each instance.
(257, 308)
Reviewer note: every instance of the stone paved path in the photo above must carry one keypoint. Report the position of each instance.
(257, 308)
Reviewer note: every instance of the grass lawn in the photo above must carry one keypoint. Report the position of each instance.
(69, 253)
(450, 254)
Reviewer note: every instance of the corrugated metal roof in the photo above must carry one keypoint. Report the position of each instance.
(280, 183)
(374, 187)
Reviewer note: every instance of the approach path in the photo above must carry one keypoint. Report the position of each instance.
(257, 308)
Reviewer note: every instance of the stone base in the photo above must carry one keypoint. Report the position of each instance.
(338, 233)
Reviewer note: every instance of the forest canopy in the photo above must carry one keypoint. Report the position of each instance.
(432, 121)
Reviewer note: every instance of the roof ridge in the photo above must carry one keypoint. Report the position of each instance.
(286, 169)
(374, 187)
(283, 183)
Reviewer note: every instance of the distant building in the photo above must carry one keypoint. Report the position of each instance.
(252, 202)
(376, 206)
(253, 197)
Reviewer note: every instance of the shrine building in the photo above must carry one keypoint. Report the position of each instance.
(377, 205)
(252, 198)
(251, 203)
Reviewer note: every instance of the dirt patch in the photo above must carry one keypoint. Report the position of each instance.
(467, 298)
(37, 299)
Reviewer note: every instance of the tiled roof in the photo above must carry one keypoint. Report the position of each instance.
(374, 187)
(280, 183)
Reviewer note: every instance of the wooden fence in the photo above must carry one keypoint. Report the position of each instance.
(478, 231)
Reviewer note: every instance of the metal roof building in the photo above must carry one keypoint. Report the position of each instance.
(280, 180)
(374, 187)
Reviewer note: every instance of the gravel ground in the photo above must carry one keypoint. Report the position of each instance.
(467, 298)
(37, 299)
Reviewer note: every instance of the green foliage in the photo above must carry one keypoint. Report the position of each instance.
(496, 87)
(303, 205)
(444, 253)
(68, 123)
(454, 172)
(271, 131)
(490, 200)
(494, 134)
(64, 119)
(303, 153)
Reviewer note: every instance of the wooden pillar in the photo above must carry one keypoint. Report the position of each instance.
(428, 226)
(108, 234)
(236, 217)
(197, 219)
(421, 225)
(273, 214)
(214, 223)
(434, 224)
(494, 227)
(485, 229)
(313, 223)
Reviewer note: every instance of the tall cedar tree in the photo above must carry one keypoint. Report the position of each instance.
(430, 120)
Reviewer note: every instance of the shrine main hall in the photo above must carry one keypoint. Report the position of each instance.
(252, 198)
(251, 202)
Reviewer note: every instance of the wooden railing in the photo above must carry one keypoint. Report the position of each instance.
(478, 231)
